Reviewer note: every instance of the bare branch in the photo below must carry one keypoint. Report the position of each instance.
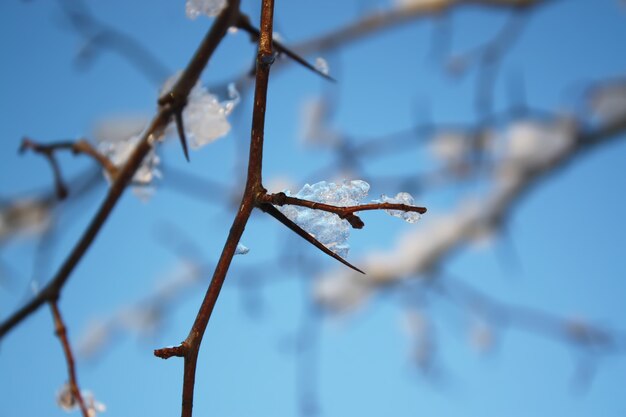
(61, 332)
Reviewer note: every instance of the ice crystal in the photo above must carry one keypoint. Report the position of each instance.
(322, 65)
(241, 249)
(194, 8)
(327, 228)
(401, 198)
(204, 116)
(67, 401)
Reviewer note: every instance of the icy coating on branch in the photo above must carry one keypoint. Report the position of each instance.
(194, 8)
(401, 198)
(204, 116)
(332, 231)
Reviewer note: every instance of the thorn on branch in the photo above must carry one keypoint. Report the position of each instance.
(275, 213)
(244, 24)
(181, 132)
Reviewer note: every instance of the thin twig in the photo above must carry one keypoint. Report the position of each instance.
(61, 332)
(80, 146)
(281, 199)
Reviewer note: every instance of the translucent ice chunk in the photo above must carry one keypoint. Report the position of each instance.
(332, 231)
(194, 8)
(241, 249)
(401, 198)
(204, 116)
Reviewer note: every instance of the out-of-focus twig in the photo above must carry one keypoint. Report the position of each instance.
(61, 332)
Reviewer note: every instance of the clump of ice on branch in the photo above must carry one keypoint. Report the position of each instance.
(327, 228)
(241, 249)
(401, 198)
(119, 150)
(116, 138)
(204, 116)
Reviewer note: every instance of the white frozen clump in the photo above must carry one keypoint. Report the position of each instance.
(194, 8)
(322, 65)
(449, 146)
(204, 116)
(532, 143)
(401, 198)
(67, 402)
(117, 137)
(118, 151)
(241, 249)
(327, 228)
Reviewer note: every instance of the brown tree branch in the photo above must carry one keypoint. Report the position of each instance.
(190, 347)
(61, 332)
(344, 212)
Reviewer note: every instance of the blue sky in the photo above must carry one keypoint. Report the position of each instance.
(567, 234)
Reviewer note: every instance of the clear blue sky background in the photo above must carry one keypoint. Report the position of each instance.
(568, 234)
